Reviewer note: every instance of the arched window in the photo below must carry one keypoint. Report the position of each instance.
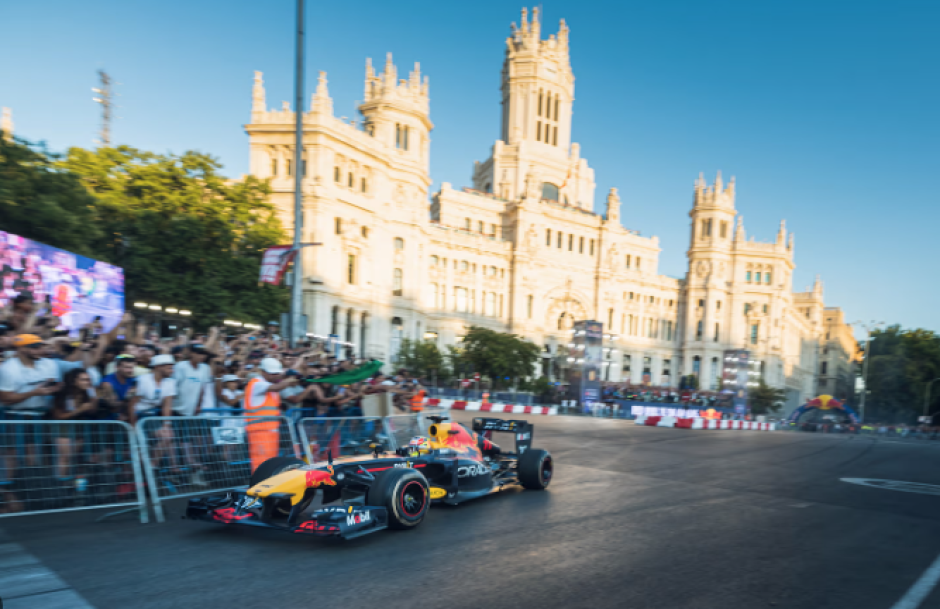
(397, 283)
(561, 321)
(399, 243)
(493, 271)
(549, 191)
(434, 260)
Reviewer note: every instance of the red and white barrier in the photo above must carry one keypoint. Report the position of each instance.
(699, 423)
(490, 407)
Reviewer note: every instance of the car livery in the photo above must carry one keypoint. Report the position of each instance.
(394, 489)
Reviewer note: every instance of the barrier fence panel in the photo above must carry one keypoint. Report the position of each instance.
(54, 466)
(189, 456)
(341, 436)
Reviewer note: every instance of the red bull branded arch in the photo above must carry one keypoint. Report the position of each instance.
(824, 402)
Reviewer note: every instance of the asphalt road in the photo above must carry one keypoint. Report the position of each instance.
(635, 517)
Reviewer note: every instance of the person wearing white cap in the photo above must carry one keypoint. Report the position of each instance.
(156, 389)
(229, 393)
(263, 399)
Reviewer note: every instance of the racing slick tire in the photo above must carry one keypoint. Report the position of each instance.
(404, 494)
(535, 469)
(273, 467)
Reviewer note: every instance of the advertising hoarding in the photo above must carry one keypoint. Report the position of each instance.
(586, 374)
(77, 288)
(735, 376)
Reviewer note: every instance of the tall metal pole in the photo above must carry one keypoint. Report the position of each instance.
(861, 406)
(927, 397)
(296, 300)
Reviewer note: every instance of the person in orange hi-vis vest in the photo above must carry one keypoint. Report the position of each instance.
(417, 401)
(263, 399)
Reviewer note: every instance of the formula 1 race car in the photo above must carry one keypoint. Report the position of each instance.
(364, 494)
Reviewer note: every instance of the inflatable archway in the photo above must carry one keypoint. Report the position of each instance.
(823, 402)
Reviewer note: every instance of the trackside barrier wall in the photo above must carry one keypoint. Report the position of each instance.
(58, 466)
(190, 456)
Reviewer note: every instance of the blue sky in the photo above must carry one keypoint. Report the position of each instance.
(825, 111)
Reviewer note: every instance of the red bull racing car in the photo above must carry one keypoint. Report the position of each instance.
(363, 494)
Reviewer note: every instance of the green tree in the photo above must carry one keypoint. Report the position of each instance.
(902, 363)
(185, 235)
(423, 359)
(40, 201)
(496, 355)
(766, 399)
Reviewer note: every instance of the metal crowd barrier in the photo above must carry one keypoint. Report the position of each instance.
(190, 456)
(63, 465)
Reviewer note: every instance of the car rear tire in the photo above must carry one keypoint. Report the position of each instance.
(535, 469)
(405, 495)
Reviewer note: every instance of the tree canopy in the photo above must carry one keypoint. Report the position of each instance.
(902, 363)
(497, 355)
(185, 235)
(765, 399)
(422, 359)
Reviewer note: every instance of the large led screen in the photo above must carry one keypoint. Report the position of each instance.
(76, 288)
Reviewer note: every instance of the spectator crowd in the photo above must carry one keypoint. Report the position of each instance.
(130, 373)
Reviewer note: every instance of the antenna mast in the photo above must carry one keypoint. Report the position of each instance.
(104, 98)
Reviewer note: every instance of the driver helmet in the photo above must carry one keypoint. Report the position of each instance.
(420, 444)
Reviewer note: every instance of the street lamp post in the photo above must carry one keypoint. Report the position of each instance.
(296, 300)
(927, 397)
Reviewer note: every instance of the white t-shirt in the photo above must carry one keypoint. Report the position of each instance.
(151, 396)
(232, 394)
(16, 377)
(258, 389)
(189, 386)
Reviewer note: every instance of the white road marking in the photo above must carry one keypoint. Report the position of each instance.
(896, 485)
(921, 588)
(26, 584)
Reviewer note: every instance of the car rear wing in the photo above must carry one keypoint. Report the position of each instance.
(521, 430)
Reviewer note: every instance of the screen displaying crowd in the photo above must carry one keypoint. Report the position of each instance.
(77, 289)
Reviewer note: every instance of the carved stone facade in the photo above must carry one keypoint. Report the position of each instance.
(521, 251)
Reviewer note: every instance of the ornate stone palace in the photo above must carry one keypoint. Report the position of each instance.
(522, 250)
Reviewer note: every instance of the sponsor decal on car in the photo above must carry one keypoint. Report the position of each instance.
(358, 518)
(405, 464)
(524, 436)
(437, 493)
(319, 477)
(469, 471)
